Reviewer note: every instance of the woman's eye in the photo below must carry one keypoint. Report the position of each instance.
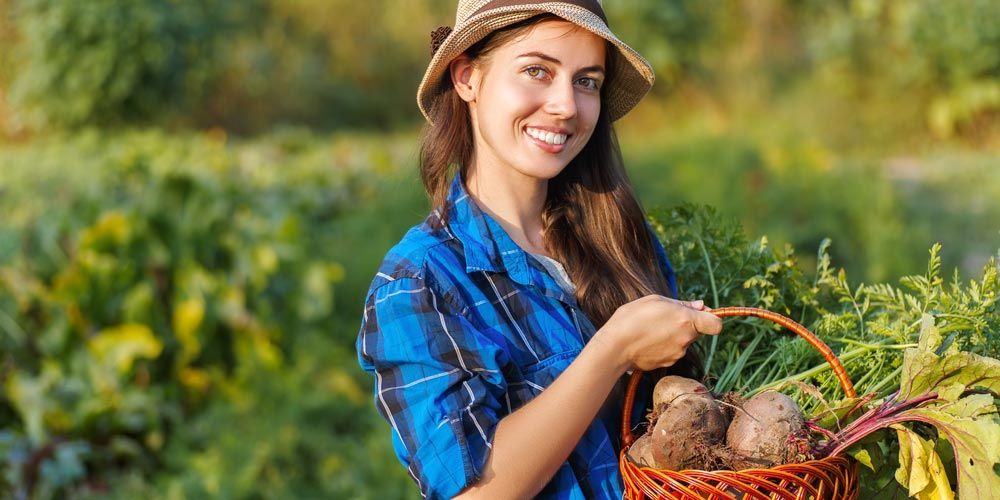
(589, 83)
(535, 72)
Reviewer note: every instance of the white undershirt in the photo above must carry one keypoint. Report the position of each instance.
(557, 271)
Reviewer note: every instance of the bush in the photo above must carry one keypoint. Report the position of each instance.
(245, 66)
(146, 281)
(105, 62)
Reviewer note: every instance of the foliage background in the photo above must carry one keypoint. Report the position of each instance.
(195, 195)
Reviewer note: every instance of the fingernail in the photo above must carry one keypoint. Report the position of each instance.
(699, 303)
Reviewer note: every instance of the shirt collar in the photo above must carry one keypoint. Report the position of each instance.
(488, 247)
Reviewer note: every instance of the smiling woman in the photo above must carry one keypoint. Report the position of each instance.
(533, 110)
(499, 329)
(527, 98)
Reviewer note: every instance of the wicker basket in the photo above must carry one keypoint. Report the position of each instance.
(834, 477)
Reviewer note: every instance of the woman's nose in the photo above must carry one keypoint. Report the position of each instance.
(562, 100)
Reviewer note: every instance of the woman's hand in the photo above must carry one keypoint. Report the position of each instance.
(656, 331)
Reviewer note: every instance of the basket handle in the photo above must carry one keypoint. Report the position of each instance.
(724, 312)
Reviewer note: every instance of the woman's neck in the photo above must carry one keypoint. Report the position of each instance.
(513, 199)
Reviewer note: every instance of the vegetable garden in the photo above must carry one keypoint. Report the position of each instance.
(150, 294)
(194, 198)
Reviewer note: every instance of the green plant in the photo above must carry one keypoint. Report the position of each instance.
(869, 326)
(106, 62)
(134, 301)
(928, 333)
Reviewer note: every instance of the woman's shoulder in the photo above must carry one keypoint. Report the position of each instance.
(425, 248)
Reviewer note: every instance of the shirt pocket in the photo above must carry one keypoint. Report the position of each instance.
(548, 344)
(536, 377)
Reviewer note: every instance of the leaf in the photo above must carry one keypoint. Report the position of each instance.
(925, 372)
(931, 392)
(340, 382)
(970, 424)
(920, 468)
(809, 389)
(119, 347)
(951, 392)
(194, 378)
(930, 337)
(67, 463)
(28, 396)
(972, 427)
(862, 456)
(835, 416)
(111, 229)
(188, 316)
(266, 259)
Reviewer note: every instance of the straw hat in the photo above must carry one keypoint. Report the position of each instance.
(477, 18)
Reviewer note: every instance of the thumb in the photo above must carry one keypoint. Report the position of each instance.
(707, 323)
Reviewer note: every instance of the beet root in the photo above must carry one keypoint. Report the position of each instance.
(767, 430)
(686, 433)
(641, 451)
(671, 387)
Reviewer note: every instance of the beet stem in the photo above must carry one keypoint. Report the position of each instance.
(877, 418)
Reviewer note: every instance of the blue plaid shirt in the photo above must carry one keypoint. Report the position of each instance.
(461, 327)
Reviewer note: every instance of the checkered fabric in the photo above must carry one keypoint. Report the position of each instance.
(461, 327)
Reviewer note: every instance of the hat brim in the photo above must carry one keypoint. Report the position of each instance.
(630, 80)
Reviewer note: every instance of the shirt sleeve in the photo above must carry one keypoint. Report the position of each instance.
(438, 383)
(663, 260)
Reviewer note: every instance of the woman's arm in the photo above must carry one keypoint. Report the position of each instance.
(531, 443)
(439, 383)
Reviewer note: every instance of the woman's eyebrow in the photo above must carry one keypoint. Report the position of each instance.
(540, 55)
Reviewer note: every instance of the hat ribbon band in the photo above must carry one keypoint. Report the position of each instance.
(438, 36)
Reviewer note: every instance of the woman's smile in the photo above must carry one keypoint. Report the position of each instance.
(548, 139)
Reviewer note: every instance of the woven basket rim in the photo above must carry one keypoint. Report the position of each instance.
(841, 481)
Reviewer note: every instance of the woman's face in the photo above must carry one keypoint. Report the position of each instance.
(534, 101)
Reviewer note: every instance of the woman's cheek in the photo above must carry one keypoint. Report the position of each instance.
(523, 99)
(590, 109)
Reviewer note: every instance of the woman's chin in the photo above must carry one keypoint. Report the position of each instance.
(543, 167)
(546, 173)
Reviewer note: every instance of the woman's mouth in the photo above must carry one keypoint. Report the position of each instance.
(546, 140)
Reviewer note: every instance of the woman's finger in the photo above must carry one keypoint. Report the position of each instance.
(707, 323)
(693, 304)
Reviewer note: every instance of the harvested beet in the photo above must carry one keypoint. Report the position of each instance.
(671, 387)
(686, 432)
(641, 451)
(767, 430)
(690, 429)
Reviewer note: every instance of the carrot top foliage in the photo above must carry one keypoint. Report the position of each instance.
(876, 330)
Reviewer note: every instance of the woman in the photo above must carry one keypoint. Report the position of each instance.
(499, 328)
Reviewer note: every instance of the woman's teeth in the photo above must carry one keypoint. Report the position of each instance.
(547, 137)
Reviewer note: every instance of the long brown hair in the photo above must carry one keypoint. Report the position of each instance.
(592, 219)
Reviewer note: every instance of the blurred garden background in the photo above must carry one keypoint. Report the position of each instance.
(194, 197)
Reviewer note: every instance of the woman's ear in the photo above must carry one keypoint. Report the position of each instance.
(461, 69)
